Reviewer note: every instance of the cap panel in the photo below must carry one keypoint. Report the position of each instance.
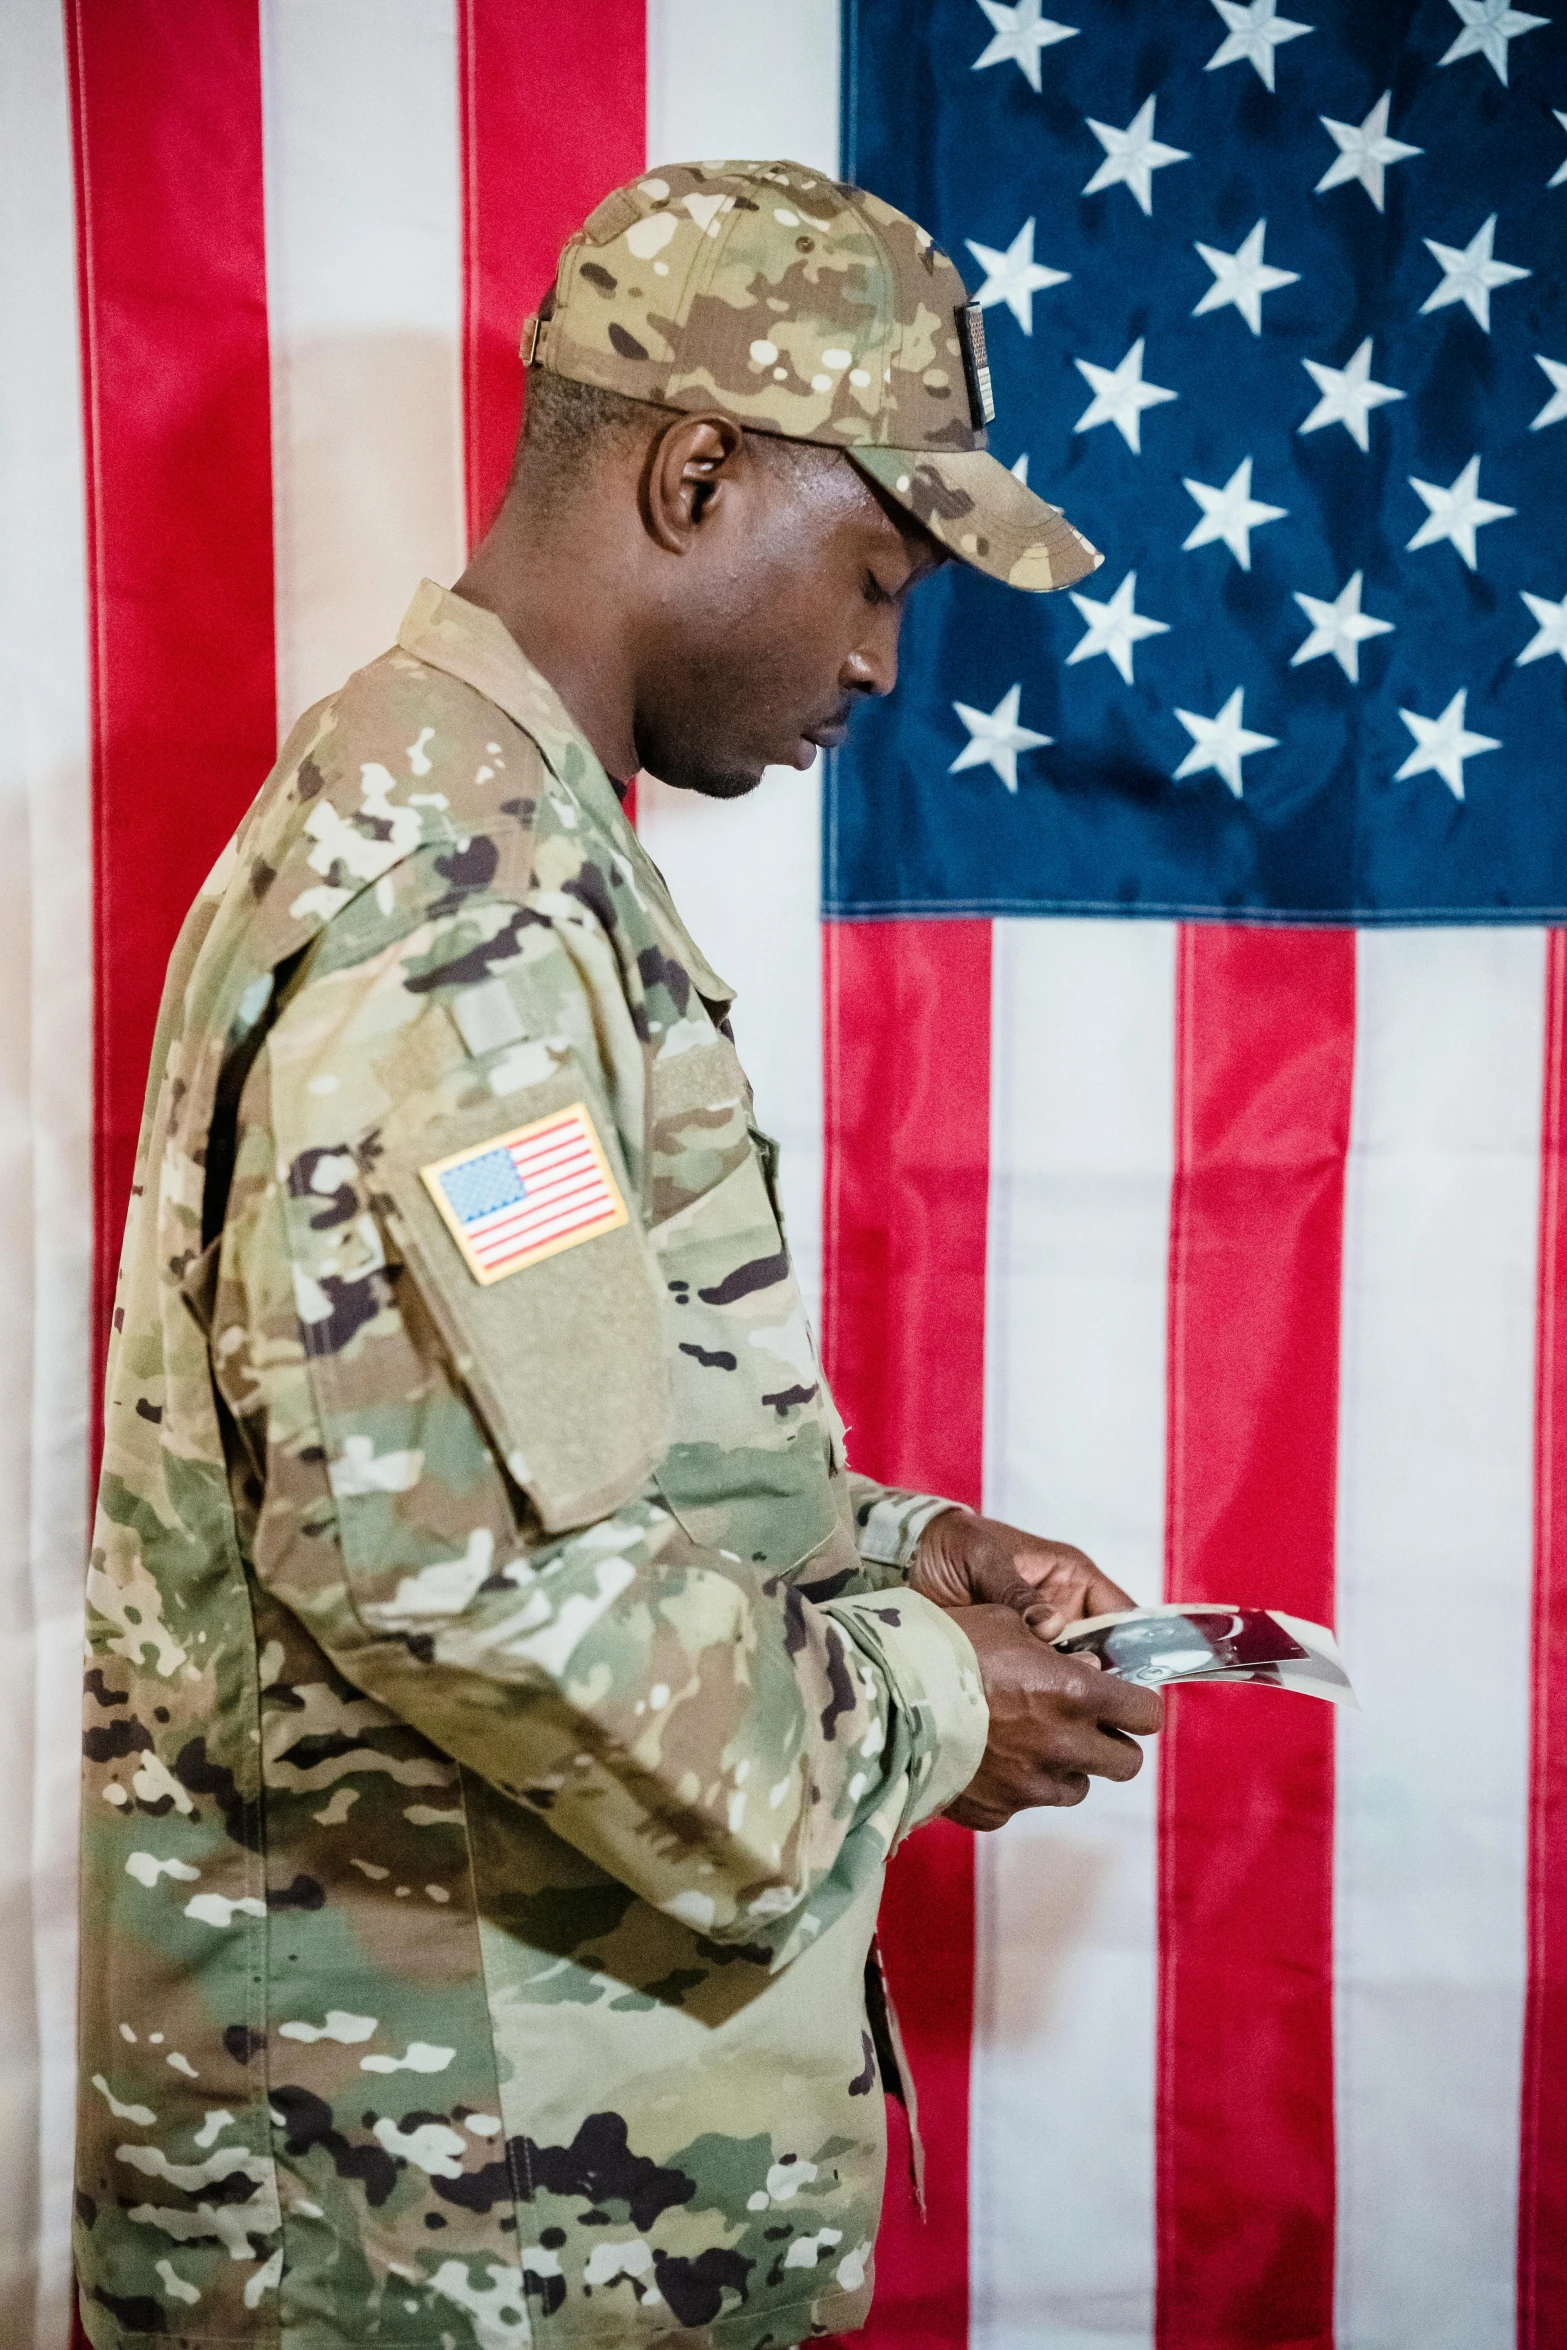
(793, 328)
(981, 513)
(624, 283)
(794, 303)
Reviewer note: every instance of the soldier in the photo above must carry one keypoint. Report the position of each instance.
(503, 1698)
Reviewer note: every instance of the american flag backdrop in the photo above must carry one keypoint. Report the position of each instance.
(1160, 1004)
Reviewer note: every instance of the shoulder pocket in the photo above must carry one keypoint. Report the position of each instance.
(515, 1223)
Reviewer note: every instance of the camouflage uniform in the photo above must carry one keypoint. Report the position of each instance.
(502, 1701)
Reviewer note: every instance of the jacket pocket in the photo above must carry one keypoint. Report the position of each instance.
(750, 1466)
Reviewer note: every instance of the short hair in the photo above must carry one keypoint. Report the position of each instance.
(568, 428)
(567, 425)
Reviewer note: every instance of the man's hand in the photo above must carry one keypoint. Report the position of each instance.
(964, 1560)
(1054, 1720)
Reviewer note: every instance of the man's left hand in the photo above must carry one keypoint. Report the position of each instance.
(964, 1560)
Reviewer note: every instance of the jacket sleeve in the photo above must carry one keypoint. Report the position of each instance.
(456, 1500)
(888, 1523)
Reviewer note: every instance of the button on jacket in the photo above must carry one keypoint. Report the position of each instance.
(502, 1700)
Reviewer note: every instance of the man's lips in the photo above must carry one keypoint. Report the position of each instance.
(824, 737)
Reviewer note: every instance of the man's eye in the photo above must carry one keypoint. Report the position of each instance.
(875, 593)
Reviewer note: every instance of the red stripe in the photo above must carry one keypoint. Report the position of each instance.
(908, 1175)
(568, 1202)
(546, 1229)
(1265, 1054)
(908, 1169)
(543, 1136)
(554, 107)
(1542, 2185)
(167, 124)
(534, 1162)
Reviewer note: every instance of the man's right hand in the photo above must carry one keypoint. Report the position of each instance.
(1054, 1721)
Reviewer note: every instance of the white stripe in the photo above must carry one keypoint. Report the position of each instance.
(723, 80)
(364, 304)
(516, 1244)
(747, 874)
(548, 1199)
(1082, 1060)
(45, 1161)
(1434, 1567)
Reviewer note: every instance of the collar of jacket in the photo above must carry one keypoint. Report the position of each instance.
(472, 644)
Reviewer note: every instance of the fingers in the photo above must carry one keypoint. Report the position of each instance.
(1126, 1705)
(1063, 1586)
(1051, 1791)
(1055, 1721)
(1045, 1617)
(965, 1560)
(1116, 1756)
(1101, 1597)
(1037, 1608)
(1090, 1722)
(1099, 1751)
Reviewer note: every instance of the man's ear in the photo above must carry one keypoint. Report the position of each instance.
(688, 466)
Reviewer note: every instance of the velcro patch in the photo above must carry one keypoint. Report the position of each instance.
(976, 365)
(516, 1198)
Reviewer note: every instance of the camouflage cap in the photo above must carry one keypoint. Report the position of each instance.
(801, 306)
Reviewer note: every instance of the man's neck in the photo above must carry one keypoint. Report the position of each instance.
(561, 607)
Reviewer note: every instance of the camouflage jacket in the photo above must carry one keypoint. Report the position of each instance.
(501, 1700)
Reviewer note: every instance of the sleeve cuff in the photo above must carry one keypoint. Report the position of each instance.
(935, 1684)
(888, 1522)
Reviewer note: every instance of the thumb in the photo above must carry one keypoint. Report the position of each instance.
(1041, 1615)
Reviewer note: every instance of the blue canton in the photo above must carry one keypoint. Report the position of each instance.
(1274, 296)
(479, 1186)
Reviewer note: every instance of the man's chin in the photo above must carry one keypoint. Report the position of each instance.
(713, 783)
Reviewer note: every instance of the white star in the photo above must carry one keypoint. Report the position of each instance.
(1443, 744)
(1469, 276)
(1556, 406)
(1120, 396)
(1014, 277)
(1558, 178)
(1020, 470)
(1339, 628)
(1364, 151)
(1020, 33)
(1115, 627)
(1456, 512)
(1348, 395)
(1550, 633)
(1231, 514)
(1488, 27)
(1221, 742)
(1243, 277)
(1132, 156)
(1254, 33)
(995, 738)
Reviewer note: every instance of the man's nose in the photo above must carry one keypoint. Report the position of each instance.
(872, 668)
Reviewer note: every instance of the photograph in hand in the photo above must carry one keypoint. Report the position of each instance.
(1210, 1642)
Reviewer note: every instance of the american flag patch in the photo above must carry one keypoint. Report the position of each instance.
(518, 1197)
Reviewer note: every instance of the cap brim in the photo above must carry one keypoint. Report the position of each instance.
(981, 513)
